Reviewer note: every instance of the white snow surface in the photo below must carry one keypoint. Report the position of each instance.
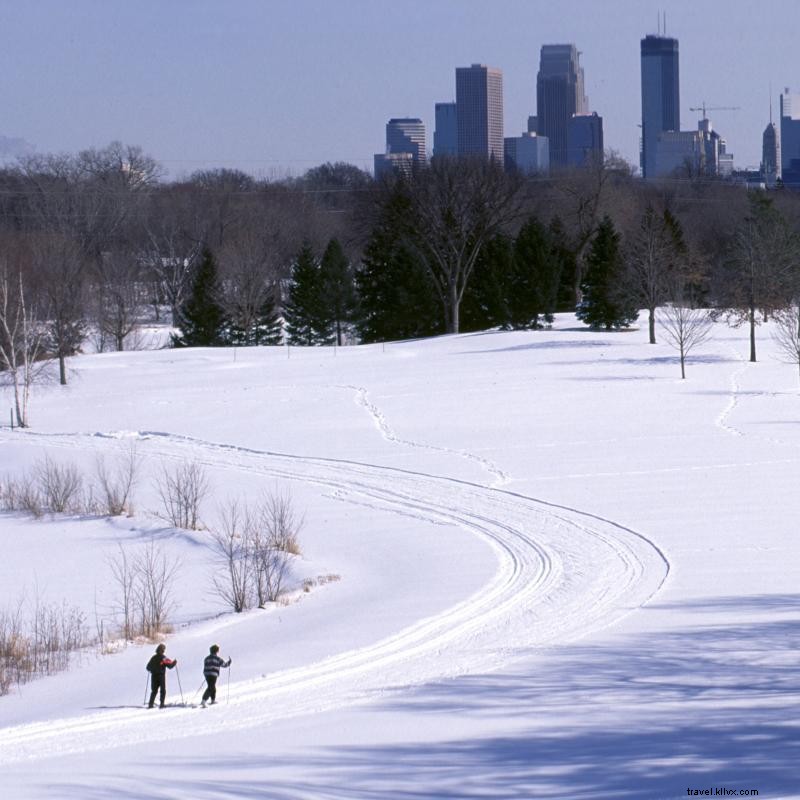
(564, 572)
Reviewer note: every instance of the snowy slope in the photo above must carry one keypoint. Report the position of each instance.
(564, 572)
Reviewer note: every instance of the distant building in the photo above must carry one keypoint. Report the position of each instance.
(559, 96)
(790, 138)
(585, 140)
(479, 111)
(660, 96)
(445, 135)
(533, 123)
(528, 153)
(389, 163)
(678, 150)
(770, 155)
(406, 135)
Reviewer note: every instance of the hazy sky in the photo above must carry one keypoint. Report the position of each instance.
(272, 86)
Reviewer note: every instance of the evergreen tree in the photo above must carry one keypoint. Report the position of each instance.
(396, 296)
(536, 274)
(565, 298)
(263, 329)
(606, 303)
(308, 319)
(201, 320)
(338, 288)
(487, 296)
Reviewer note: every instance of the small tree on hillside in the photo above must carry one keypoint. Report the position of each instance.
(201, 319)
(606, 303)
(308, 320)
(337, 288)
(536, 276)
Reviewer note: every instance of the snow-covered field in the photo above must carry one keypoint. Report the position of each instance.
(565, 573)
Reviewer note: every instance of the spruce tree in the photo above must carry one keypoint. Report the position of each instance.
(201, 320)
(396, 295)
(487, 296)
(308, 320)
(338, 288)
(607, 302)
(536, 275)
(262, 329)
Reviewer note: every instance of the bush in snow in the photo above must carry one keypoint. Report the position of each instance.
(182, 491)
(117, 482)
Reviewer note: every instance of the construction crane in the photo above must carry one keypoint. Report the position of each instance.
(705, 108)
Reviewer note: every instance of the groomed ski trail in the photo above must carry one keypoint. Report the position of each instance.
(561, 574)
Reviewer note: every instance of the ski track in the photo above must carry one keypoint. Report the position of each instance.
(561, 574)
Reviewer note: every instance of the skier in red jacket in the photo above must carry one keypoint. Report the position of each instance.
(157, 666)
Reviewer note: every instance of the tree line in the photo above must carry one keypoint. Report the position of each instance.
(94, 245)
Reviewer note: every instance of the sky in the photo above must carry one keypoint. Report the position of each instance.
(275, 87)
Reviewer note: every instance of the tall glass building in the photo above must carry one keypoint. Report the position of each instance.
(559, 96)
(660, 96)
(406, 135)
(479, 111)
(790, 138)
(445, 134)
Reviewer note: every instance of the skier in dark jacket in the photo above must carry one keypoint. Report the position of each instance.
(211, 667)
(157, 666)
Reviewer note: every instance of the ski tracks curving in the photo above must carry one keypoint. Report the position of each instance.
(561, 574)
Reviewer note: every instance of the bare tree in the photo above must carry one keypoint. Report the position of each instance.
(787, 334)
(233, 545)
(685, 328)
(120, 297)
(758, 272)
(182, 492)
(117, 482)
(21, 341)
(653, 254)
(451, 210)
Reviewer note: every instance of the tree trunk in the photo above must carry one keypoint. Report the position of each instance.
(62, 369)
(652, 325)
(454, 304)
(683, 365)
(752, 332)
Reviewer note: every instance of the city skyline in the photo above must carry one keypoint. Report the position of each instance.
(249, 88)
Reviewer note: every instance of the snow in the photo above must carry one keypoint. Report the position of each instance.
(564, 572)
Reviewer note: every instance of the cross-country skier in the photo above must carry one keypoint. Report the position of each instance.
(157, 666)
(211, 667)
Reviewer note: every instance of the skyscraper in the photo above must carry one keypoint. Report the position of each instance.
(479, 111)
(585, 140)
(445, 135)
(790, 138)
(770, 155)
(660, 95)
(406, 135)
(559, 96)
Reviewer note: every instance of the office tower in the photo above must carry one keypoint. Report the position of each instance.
(528, 153)
(585, 140)
(790, 138)
(479, 111)
(679, 150)
(770, 155)
(445, 135)
(559, 96)
(389, 163)
(406, 135)
(660, 95)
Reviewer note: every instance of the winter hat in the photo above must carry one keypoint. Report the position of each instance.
(214, 648)
(161, 648)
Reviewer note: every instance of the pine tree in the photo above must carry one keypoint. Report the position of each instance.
(606, 303)
(308, 320)
(201, 321)
(396, 296)
(338, 288)
(536, 275)
(487, 296)
(262, 329)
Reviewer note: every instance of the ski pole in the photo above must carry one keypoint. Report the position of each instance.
(228, 696)
(144, 699)
(198, 690)
(178, 676)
